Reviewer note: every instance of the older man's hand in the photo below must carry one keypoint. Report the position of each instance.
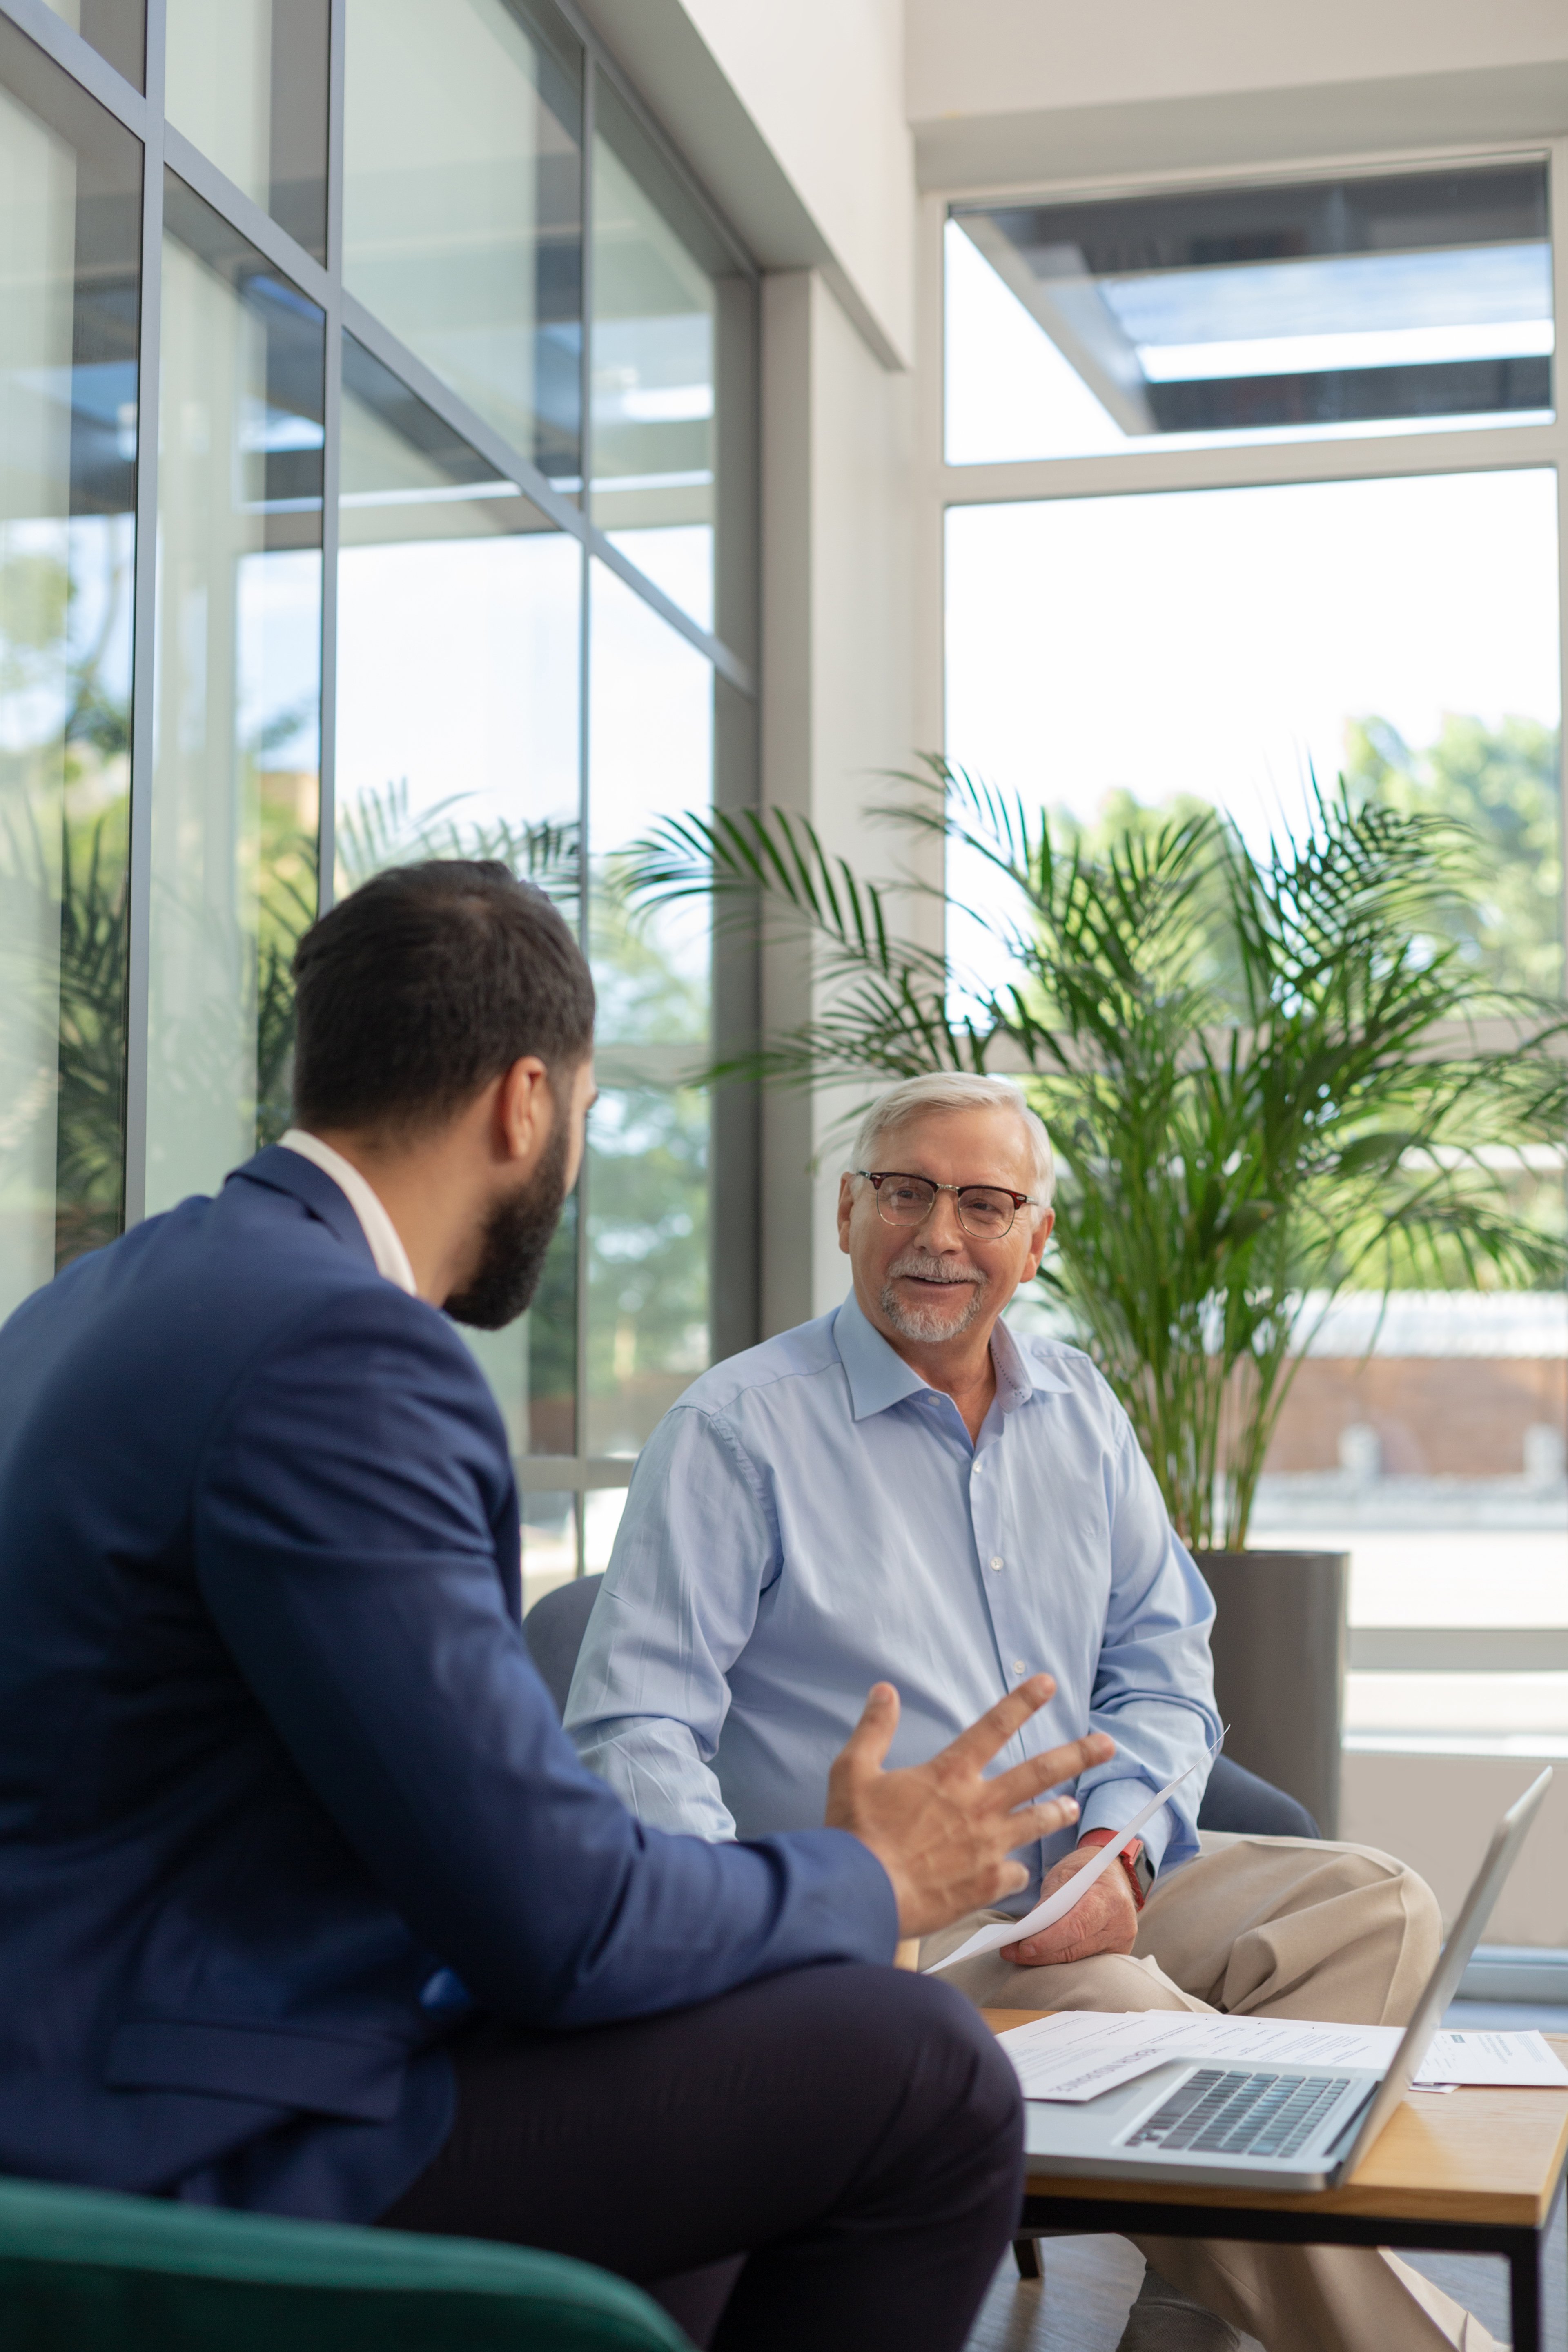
(940, 1830)
(1105, 1921)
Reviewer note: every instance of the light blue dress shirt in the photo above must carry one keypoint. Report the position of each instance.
(811, 1517)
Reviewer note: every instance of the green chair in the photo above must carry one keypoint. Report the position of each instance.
(85, 2271)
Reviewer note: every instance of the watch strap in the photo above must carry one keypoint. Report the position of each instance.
(1135, 1863)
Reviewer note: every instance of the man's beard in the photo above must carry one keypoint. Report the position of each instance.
(516, 1239)
(932, 1322)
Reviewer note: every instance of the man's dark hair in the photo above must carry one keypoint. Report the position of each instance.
(429, 982)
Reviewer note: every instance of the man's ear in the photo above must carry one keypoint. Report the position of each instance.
(846, 1207)
(524, 1108)
(1042, 1234)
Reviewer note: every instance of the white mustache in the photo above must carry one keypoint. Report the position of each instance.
(927, 1268)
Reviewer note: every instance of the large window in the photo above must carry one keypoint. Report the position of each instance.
(1249, 488)
(375, 482)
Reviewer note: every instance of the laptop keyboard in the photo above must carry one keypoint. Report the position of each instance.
(1221, 2111)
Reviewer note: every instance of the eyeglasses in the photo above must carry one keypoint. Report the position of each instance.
(985, 1212)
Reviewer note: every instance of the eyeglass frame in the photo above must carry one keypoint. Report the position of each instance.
(878, 1177)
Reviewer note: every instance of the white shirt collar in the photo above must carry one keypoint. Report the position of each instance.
(386, 1241)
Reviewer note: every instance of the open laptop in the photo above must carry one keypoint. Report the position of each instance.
(1291, 2128)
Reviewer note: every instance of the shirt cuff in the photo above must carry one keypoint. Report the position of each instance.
(1112, 1804)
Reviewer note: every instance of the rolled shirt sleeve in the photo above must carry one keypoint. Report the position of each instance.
(1153, 1681)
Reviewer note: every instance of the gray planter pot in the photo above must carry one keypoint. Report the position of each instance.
(1279, 1643)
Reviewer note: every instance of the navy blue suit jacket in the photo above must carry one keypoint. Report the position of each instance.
(280, 1789)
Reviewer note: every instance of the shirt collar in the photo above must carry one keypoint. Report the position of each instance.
(879, 1376)
(386, 1241)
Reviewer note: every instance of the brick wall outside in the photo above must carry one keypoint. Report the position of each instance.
(1455, 1416)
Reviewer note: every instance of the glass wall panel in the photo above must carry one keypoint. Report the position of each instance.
(549, 1543)
(1206, 317)
(70, 186)
(117, 29)
(246, 80)
(456, 619)
(650, 752)
(463, 206)
(458, 636)
(667, 370)
(236, 775)
(1108, 655)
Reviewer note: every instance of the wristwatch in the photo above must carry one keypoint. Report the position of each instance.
(1134, 1859)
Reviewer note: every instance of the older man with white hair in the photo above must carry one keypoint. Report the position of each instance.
(906, 1489)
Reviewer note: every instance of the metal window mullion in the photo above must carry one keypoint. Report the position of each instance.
(596, 58)
(253, 221)
(1275, 465)
(144, 631)
(49, 30)
(584, 744)
(1557, 192)
(332, 459)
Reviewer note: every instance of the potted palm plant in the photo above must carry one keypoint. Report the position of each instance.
(1268, 1075)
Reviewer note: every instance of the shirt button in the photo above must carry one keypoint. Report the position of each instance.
(998, 1561)
(1017, 1666)
(978, 1468)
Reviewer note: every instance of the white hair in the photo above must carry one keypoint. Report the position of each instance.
(958, 1091)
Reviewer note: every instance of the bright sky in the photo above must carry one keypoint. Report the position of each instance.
(1214, 642)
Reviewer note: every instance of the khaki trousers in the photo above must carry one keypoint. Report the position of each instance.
(1267, 1928)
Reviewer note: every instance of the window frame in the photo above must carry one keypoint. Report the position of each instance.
(1349, 457)
(733, 1177)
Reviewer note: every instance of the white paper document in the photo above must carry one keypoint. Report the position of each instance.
(1069, 1895)
(1078, 2054)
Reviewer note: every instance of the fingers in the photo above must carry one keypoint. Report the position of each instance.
(1021, 1782)
(866, 1748)
(1042, 1820)
(993, 1729)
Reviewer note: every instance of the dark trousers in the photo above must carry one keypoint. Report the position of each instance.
(853, 2132)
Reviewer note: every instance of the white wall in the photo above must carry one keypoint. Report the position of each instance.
(837, 687)
(1437, 1812)
(794, 119)
(1001, 90)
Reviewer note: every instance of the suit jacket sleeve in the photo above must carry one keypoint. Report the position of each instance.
(350, 1515)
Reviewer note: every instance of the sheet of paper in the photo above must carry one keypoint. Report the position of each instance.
(1286, 2042)
(1070, 1894)
(1078, 2054)
(1525, 2061)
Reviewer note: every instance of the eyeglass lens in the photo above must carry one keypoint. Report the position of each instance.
(984, 1214)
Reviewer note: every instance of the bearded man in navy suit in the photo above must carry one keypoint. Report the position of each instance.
(308, 1907)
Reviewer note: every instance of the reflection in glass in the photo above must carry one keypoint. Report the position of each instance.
(1216, 315)
(462, 206)
(549, 1543)
(236, 779)
(458, 734)
(651, 750)
(648, 1259)
(603, 1510)
(246, 80)
(70, 183)
(650, 754)
(664, 292)
(117, 29)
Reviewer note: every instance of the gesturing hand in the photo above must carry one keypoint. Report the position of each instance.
(940, 1829)
(1105, 1921)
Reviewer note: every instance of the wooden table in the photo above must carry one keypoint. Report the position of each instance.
(1473, 2171)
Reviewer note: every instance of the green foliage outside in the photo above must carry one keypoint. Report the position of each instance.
(1501, 784)
(65, 841)
(647, 1185)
